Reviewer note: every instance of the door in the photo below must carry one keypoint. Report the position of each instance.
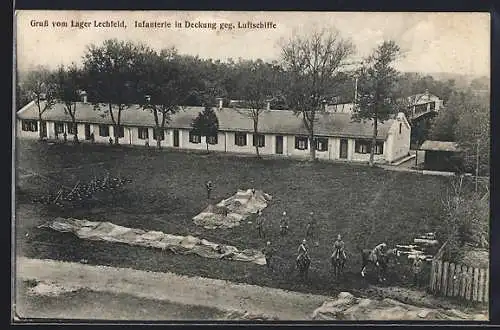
(87, 131)
(343, 149)
(176, 137)
(43, 128)
(279, 144)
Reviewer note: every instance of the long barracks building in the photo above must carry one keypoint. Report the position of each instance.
(281, 132)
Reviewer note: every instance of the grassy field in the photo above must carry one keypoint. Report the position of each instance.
(365, 205)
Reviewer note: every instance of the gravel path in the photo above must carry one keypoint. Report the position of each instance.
(196, 291)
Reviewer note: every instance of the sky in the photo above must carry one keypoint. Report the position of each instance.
(431, 42)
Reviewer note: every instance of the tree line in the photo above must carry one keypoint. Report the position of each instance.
(313, 71)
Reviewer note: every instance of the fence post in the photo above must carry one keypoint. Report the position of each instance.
(470, 278)
(456, 281)
(482, 277)
(463, 281)
(475, 285)
(445, 278)
(433, 275)
(486, 297)
(438, 277)
(451, 279)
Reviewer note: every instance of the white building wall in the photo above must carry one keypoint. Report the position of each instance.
(267, 149)
(27, 134)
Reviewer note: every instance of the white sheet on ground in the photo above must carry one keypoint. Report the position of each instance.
(231, 211)
(106, 231)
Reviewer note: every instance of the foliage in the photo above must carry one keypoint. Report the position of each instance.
(465, 219)
(111, 77)
(312, 66)
(466, 120)
(256, 83)
(39, 86)
(206, 124)
(68, 83)
(376, 88)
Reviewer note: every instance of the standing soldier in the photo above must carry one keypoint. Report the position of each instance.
(209, 187)
(417, 268)
(65, 137)
(110, 140)
(268, 254)
(310, 226)
(284, 224)
(260, 223)
(92, 137)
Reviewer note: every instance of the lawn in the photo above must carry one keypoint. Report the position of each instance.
(365, 205)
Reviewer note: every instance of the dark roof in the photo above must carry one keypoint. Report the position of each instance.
(439, 146)
(270, 121)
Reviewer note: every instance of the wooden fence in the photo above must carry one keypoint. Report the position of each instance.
(455, 280)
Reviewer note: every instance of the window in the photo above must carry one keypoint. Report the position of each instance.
(71, 129)
(379, 148)
(59, 127)
(143, 133)
(121, 132)
(30, 125)
(301, 142)
(194, 138)
(259, 140)
(364, 147)
(240, 139)
(159, 132)
(103, 130)
(322, 144)
(212, 139)
(400, 127)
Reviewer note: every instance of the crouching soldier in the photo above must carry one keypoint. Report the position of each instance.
(268, 254)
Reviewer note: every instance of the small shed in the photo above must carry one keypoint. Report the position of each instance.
(442, 156)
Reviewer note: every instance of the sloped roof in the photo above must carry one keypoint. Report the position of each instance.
(270, 121)
(439, 146)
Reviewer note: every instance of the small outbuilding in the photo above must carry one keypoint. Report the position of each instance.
(442, 156)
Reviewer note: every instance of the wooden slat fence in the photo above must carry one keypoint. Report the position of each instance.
(455, 280)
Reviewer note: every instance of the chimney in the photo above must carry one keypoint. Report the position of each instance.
(220, 102)
(268, 105)
(400, 116)
(427, 93)
(83, 95)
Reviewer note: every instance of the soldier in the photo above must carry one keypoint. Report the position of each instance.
(311, 224)
(92, 137)
(417, 268)
(260, 223)
(378, 252)
(110, 140)
(65, 137)
(146, 143)
(303, 250)
(339, 247)
(284, 224)
(209, 187)
(268, 253)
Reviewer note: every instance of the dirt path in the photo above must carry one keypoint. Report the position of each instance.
(195, 291)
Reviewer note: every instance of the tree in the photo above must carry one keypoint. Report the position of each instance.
(376, 89)
(311, 65)
(67, 91)
(111, 77)
(164, 85)
(39, 86)
(472, 131)
(256, 86)
(206, 124)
